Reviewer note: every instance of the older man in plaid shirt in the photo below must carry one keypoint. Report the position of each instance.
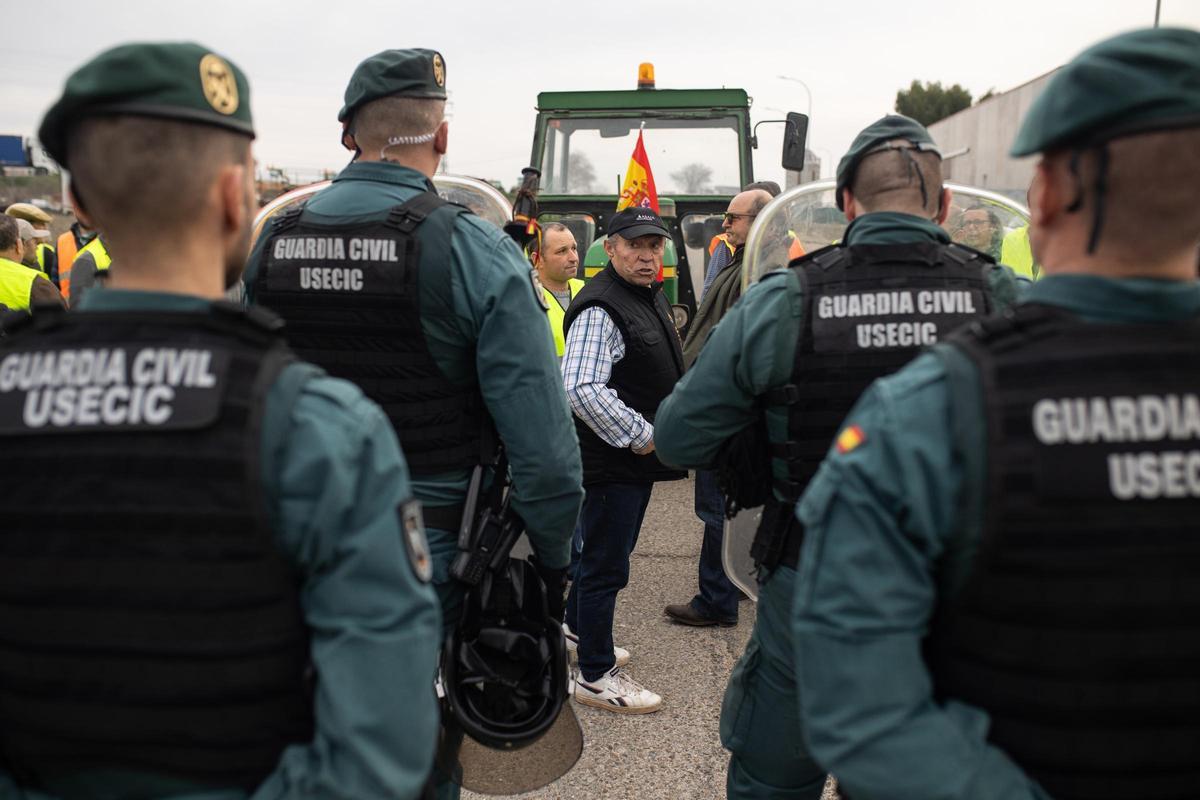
(622, 357)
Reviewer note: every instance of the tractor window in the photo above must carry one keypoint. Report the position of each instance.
(698, 233)
(687, 155)
(581, 226)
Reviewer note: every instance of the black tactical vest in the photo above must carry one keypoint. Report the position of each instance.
(868, 310)
(350, 295)
(652, 365)
(1078, 630)
(148, 621)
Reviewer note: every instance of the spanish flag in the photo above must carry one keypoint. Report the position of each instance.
(638, 189)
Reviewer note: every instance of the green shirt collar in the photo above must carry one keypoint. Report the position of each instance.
(1118, 299)
(130, 300)
(384, 172)
(891, 227)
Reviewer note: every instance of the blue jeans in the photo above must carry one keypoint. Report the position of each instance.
(611, 518)
(718, 597)
(576, 552)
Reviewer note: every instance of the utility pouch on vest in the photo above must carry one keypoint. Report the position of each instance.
(486, 544)
(743, 468)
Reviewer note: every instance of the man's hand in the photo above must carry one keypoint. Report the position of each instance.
(645, 451)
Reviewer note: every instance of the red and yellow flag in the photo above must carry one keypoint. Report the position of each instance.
(850, 438)
(638, 189)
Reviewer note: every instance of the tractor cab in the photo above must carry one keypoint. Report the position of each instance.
(699, 145)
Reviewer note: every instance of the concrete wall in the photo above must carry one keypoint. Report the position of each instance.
(976, 140)
(811, 172)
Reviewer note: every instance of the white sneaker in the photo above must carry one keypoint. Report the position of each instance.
(622, 655)
(616, 691)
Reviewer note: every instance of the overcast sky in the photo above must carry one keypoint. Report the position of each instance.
(852, 54)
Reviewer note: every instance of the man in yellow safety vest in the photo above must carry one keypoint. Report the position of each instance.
(556, 259)
(20, 286)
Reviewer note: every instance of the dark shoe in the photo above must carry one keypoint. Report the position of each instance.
(686, 615)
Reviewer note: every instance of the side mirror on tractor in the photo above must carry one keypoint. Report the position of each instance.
(795, 136)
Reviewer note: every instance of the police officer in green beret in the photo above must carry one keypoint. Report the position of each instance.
(433, 312)
(1000, 584)
(215, 582)
(791, 354)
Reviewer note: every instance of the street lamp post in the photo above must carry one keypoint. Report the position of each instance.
(808, 92)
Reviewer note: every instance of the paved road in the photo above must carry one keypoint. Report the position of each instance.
(674, 753)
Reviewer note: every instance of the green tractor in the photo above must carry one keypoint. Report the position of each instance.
(699, 143)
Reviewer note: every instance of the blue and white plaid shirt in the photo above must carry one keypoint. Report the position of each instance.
(593, 345)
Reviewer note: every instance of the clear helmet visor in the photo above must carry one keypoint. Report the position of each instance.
(806, 218)
(482, 198)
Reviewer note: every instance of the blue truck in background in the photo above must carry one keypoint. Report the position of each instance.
(19, 155)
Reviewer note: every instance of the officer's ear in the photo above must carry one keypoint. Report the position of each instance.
(943, 206)
(851, 210)
(231, 194)
(1049, 192)
(348, 137)
(441, 139)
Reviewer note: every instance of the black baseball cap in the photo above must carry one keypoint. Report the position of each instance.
(634, 222)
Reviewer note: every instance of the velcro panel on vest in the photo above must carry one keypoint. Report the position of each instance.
(1077, 630)
(868, 313)
(147, 619)
(350, 295)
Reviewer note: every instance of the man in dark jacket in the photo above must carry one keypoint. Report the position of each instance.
(717, 601)
(622, 357)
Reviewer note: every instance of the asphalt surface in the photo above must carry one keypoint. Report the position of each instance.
(674, 754)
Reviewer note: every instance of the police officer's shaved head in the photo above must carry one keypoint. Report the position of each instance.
(891, 180)
(1150, 210)
(397, 122)
(1118, 128)
(139, 173)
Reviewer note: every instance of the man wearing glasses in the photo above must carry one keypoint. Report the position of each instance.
(717, 601)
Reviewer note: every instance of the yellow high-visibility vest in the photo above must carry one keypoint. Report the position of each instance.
(99, 253)
(16, 282)
(558, 315)
(1015, 253)
(42, 249)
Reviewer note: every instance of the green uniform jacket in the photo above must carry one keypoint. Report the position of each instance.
(500, 333)
(752, 350)
(884, 539)
(334, 478)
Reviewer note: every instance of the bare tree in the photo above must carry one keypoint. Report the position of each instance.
(581, 175)
(694, 178)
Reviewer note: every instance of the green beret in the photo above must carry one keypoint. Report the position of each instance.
(177, 80)
(415, 72)
(1133, 83)
(874, 138)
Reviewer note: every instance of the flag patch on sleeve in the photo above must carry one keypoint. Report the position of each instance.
(850, 438)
